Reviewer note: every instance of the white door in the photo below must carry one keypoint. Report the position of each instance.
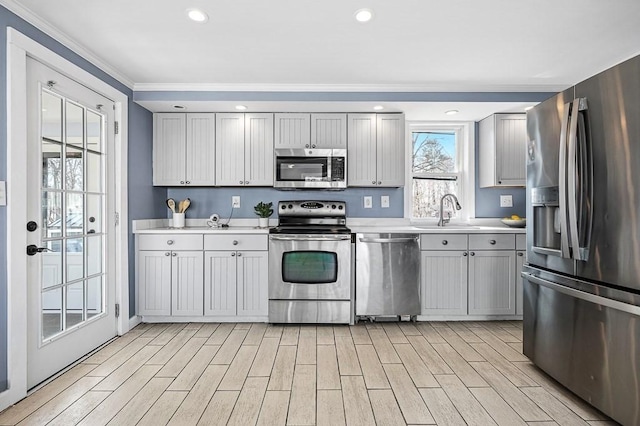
(70, 197)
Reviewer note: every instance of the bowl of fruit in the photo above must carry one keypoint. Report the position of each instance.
(515, 221)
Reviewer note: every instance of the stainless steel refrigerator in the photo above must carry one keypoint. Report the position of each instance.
(582, 277)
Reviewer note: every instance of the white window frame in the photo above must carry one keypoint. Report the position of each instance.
(465, 153)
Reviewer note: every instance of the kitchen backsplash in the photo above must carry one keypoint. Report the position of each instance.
(205, 201)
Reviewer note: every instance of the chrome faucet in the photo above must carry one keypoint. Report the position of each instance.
(457, 205)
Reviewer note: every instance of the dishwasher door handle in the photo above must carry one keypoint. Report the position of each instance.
(388, 240)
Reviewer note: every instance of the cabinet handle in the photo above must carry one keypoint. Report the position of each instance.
(233, 254)
(240, 182)
(313, 146)
(520, 254)
(374, 182)
(464, 254)
(188, 182)
(492, 242)
(181, 182)
(239, 254)
(235, 242)
(445, 242)
(169, 242)
(167, 254)
(472, 254)
(174, 254)
(246, 182)
(379, 182)
(306, 146)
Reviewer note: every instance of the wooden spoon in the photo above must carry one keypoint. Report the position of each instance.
(185, 204)
(171, 204)
(180, 205)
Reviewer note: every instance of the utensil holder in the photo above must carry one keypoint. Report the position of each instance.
(178, 220)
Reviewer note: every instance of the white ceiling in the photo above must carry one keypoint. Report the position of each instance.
(316, 45)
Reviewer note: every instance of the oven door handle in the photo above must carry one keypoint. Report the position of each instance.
(311, 237)
(388, 240)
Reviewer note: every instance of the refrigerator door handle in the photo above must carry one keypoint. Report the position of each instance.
(572, 173)
(585, 173)
(583, 295)
(562, 184)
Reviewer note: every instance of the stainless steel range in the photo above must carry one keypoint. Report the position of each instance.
(310, 258)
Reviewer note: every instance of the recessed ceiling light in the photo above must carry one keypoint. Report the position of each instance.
(528, 108)
(197, 15)
(179, 107)
(378, 107)
(241, 107)
(452, 112)
(363, 15)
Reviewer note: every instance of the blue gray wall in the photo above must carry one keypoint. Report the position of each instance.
(141, 193)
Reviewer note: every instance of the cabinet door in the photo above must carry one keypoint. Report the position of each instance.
(186, 283)
(253, 283)
(220, 282)
(329, 131)
(200, 153)
(154, 282)
(519, 290)
(258, 149)
(169, 149)
(362, 155)
(292, 130)
(492, 282)
(230, 149)
(443, 278)
(391, 146)
(511, 148)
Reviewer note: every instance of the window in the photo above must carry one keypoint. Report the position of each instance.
(440, 165)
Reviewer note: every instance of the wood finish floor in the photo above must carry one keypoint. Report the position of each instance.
(244, 374)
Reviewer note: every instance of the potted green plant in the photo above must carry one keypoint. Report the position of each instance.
(264, 211)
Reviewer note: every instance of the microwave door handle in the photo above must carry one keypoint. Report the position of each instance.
(585, 172)
(562, 183)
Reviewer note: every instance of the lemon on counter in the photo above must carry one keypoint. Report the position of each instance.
(515, 217)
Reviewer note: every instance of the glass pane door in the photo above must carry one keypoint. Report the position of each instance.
(73, 206)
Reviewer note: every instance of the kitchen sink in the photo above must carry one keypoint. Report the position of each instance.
(457, 227)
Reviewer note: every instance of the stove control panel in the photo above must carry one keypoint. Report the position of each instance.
(312, 208)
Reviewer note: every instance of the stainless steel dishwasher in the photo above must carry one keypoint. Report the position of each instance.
(387, 274)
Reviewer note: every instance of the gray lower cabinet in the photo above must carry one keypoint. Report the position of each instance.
(492, 282)
(236, 281)
(444, 282)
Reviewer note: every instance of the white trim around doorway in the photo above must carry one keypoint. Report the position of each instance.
(19, 47)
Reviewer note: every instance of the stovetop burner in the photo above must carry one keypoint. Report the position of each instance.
(311, 217)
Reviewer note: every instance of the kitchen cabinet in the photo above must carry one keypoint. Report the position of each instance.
(468, 274)
(183, 149)
(244, 149)
(170, 280)
(321, 131)
(376, 144)
(502, 150)
(236, 275)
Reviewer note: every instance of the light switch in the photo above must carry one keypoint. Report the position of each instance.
(3, 193)
(368, 202)
(384, 201)
(506, 201)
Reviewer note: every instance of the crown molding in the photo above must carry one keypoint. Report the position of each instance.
(390, 88)
(65, 40)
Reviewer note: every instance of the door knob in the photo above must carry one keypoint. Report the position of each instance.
(31, 226)
(33, 249)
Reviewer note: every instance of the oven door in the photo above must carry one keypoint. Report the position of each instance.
(310, 267)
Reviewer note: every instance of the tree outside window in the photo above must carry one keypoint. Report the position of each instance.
(435, 171)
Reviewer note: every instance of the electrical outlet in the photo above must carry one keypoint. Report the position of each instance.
(368, 202)
(235, 201)
(384, 201)
(3, 193)
(506, 201)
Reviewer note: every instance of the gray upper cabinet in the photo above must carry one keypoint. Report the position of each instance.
(502, 150)
(329, 131)
(376, 150)
(244, 149)
(183, 149)
(292, 130)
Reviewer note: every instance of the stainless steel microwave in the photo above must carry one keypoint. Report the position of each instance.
(310, 168)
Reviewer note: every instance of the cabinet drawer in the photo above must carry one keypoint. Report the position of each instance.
(443, 242)
(492, 242)
(521, 241)
(236, 242)
(169, 242)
